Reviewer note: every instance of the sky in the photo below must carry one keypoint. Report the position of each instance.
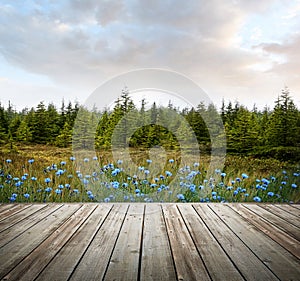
(238, 50)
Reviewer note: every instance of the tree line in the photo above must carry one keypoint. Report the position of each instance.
(263, 133)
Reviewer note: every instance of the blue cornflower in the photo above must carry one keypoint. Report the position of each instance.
(58, 191)
(59, 172)
(12, 199)
(125, 184)
(257, 199)
(119, 162)
(86, 160)
(245, 176)
(76, 191)
(223, 175)
(180, 196)
(238, 179)
(149, 161)
(214, 193)
(229, 187)
(284, 172)
(33, 178)
(201, 186)
(196, 164)
(168, 173)
(95, 158)
(236, 192)
(294, 185)
(47, 180)
(16, 179)
(106, 200)
(48, 189)
(60, 186)
(8, 160)
(63, 163)
(89, 192)
(115, 172)
(18, 183)
(91, 196)
(30, 161)
(85, 181)
(217, 171)
(72, 158)
(162, 177)
(193, 188)
(283, 182)
(115, 184)
(171, 161)
(26, 195)
(270, 193)
(159, 189)
(246, 194)
(137, 191)
(141, 168)
(296, 174)
(152, 185)
(147, 172)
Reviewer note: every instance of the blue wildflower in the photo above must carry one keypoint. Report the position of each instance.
(119, 162)
(72, 158)
(33, 178)
(171, 161)
(168, 173)
(59, 172)
(223, 175)
(245, 176)
(30, 161)
(180, 196)
(294, 185)
(60, 186)
(63, 163)
(214, 193)
(95, 158)
(48, 189)
(236, 192)
(8, 161)
(147, 172)
(106, 200)
(47, 180)
(26, 195)
(86, 160)
(137, 191)
(270, 194)
(58, 191)
(257, 199)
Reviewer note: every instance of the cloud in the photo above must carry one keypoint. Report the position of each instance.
(78, 44)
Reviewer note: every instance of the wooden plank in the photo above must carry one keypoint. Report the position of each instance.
(282, 214)
(157, 262)
(11, 233)
(12, 209)
(278, 235)
(73, 250)
(282, 263)
(277, 221)
(208, 247)
(124, 263)
(94, 262)
(244, 259)
(188, 263)
(26, 212)
(296, 206)
(19, 248)
(290, 209)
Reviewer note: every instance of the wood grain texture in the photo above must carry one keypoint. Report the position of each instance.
(139, 241)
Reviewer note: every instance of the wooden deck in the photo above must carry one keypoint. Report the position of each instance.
(149, 242)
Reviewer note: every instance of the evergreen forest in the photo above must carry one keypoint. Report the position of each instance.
(268, 133)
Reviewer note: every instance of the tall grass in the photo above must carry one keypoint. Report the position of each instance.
(48, 174)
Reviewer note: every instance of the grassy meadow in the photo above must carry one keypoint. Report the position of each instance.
(40, 173)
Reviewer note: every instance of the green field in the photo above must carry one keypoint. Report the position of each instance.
(40, 173)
